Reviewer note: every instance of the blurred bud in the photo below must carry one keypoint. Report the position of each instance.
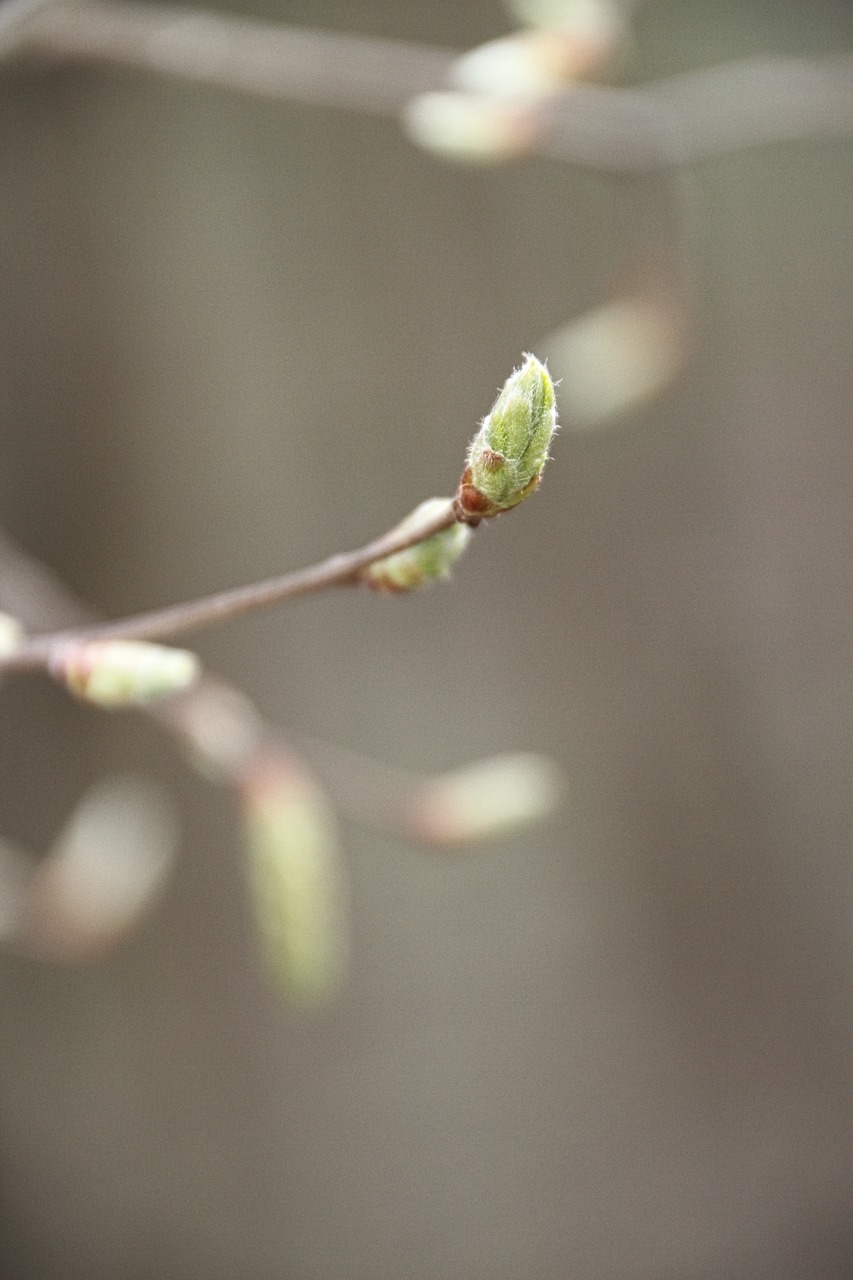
(485, 800)
(102, 875)
(425, 562)
(530, 64)
(616, 357)
(470, 128)
(221, 729)
(585, 37)
(295, 879)
(122, 673)
(509, 452)
(11, 635)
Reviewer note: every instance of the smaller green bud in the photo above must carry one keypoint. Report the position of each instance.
(122, 673)
(509, 452)
(425, 562)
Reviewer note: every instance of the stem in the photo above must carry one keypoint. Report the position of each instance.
(682, 120)
(361, 73)
(338, 570)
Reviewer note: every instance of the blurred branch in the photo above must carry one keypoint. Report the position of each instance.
(222, 730)
(342, 569)
(271, 60)
(678, 121)
(701, 114)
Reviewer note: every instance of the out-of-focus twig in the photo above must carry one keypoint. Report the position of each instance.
(701, 114)
(222, 730)
(358, 73)
(678, 121)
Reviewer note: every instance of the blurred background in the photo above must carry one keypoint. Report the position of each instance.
(236, 335)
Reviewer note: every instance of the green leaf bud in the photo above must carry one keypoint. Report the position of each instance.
(122, 673)
(424, 563)
(295, 879)
(509, 452)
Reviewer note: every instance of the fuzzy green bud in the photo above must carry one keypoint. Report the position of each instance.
(122, 673)
(424, 563)
(509, 452)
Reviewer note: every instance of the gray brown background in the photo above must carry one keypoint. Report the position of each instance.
(237, 335)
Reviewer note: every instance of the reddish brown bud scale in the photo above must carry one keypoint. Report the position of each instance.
(469, 505)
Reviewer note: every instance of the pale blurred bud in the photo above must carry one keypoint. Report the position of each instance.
(530, 64)
(470, 128)
(102, 875)
(424, 563)
(485, 800)
(11, 635)
(617, 357)
(221, 730)
(122, 673)
(509, 452)
(295, 880)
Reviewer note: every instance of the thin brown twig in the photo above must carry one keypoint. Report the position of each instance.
(338, 570)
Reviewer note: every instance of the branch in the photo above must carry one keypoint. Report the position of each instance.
(506, 459)
(336, 571)
(700, 115)
(358, 73)
(679, 121)
(221, 730)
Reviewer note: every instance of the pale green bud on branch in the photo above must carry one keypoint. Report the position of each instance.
(122, 673)
(486, 799)
(509, 452)
(424, 563)
(295, 879)
(11, 635)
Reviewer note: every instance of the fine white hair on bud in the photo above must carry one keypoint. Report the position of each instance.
(424, 563)
(509, 452)
(122, 673)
